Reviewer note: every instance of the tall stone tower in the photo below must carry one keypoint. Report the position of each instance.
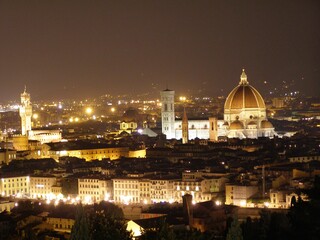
(167, 113)
(185, 128)
(25, 112)
(213, 131)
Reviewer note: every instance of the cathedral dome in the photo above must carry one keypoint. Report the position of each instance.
(131, 115)
(244, 96)
(236, 125)
(266, 124)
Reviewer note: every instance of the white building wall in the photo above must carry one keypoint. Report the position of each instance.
(126, 190)
(197, 129)
(40, 187)
(94, 190)
(15, 186)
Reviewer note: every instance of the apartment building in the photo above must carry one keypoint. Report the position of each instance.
(15, 186)
(94, 189)
(41, 186)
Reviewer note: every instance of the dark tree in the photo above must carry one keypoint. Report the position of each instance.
(193, 234)
(234, 232)
(107, 228)
(279, 227)
(250, 229)
(109, 210)
(80, 229)
(293, 201)
(160, 232)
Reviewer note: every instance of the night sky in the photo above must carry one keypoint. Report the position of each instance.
(79, 49)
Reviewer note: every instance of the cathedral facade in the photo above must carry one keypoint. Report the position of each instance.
(244, 117)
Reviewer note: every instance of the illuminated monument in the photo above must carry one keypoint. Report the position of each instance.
(25, 111)
(245, 113)
(43, 136)
(244, 117)
(167, 113)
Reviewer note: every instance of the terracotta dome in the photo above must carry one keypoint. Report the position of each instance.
(130, 115)
(236, 125)
(266, 124)
(244, 96)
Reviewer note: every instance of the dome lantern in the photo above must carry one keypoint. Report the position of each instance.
(243, 78)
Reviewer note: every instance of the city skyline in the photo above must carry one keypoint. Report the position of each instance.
(80, 49)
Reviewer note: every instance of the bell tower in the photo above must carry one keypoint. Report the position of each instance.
(167, 113)
(25, 111)
(185, 129)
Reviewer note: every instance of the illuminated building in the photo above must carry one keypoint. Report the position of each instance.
(60, 224)
(137, 153)
(56, 190)
(277, 199)
(126, 190)
(188, 187)
(128, 127)
(278, 102)
(41, 186)
(15, 186)
(6, 205)
(290, 196)
(245, 113)
(43, 136)
(20, 142)
(244, 116)
(6, 155)
(94, 189)
(200, 185)
(88, 151)
(135, 228)
(145, 187)
(25, 111)
(155, 190)
(161, 190)
(239, 194)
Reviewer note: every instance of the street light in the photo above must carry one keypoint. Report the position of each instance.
(89, 110)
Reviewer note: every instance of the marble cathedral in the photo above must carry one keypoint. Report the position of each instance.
(244, 117)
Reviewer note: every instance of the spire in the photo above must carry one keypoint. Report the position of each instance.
(184, 118)
(185, 129)
(25, 88)
(243, 78)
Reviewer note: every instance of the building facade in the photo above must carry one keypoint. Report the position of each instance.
(239, 195)
(41, 186)
(17, 186)
(126, 190)
(94, 189)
